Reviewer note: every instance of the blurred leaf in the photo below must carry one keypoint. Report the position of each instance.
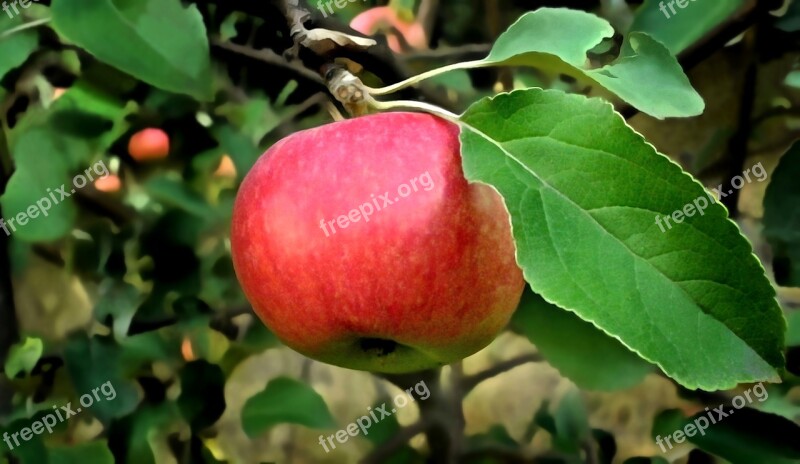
(285, 400)
(16, 47)
(202, 399)
(591, 359)
(32, 451)
(688, 25)
(132, 437)
(790, 22)
(44, 162)
(258, 337)
(138, 37)
(23, 356)
(95, 362)
(173, 192)
(404, 9)
(571, 422)
(793, 332)
(751, 437)
(574, 178)
(793, 79)
(496, 438)
(650, 79)
(96, 452)
(782, 218)
(119, 301)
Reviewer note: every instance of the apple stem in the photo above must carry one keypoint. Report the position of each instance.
(426, 75)
(426, 107)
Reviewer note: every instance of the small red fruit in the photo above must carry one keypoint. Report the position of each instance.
(108, 184)
(149, 145)
(361, 244)
(384, 19)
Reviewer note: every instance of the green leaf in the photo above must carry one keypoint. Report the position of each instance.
(589, 357)
(16, 47)
(571, 421)
(139, 37)
(650, 79)
(688, 25)
(202, 399)
(782, 218)
(793, 331)
(96, 452)
(95, 363)
(32, 451)
(745, 436)
(174, 192)
(44, 161)
(285, 400)
(23, 356)
(120, 301)
(584, 192)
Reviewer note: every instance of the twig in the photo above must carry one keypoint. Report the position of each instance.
(472, 381)
(9, 325)
(268, 56)
(738, 143)
(24, 27)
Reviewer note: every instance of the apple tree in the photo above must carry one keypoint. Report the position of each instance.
(587, 250)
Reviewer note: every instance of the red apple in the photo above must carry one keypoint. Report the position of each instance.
(361, 244)
(383, 19)
(149, 145)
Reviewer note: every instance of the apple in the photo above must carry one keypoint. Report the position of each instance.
(382, 19)
(361, 244)
(149, 145)
(108, 184)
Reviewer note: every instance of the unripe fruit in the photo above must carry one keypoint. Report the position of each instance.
(361, 244)
(226, 168)
(149, 145)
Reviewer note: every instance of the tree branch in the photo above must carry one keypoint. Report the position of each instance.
(470, 382)
(9, 325)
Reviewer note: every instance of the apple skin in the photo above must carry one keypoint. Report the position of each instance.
(149, 145)
(428, 280)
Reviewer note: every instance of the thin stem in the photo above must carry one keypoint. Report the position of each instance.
(426, 75)
(427, 107)
(25, 26)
